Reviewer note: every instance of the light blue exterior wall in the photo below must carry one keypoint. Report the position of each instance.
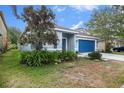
(25, 47)
(72, 41)
(59, 43)
(28, 47)
(59, 46)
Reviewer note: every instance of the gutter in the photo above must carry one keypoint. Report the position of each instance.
(63, 30)
(83, 36)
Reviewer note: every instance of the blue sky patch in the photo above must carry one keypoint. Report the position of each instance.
(68, 16)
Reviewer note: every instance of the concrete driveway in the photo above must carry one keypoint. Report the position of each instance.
(107, 56)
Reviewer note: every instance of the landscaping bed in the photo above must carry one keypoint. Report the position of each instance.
(80, 73)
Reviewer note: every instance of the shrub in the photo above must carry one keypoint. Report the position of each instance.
(67, 55)
(24, 57)
(95, 55)
(39, 58)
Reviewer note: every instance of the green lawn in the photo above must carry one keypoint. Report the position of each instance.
(81, 73)
(119, 53)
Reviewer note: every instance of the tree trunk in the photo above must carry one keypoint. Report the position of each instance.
(107, 46)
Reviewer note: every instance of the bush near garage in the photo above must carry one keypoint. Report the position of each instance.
(95, 55)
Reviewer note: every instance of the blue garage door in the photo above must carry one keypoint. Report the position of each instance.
(86, 46)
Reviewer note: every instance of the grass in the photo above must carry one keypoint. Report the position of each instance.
(81, 73)
(119, 53)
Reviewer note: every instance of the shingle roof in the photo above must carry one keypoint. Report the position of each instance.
(82, 31)
(79, 31)
(61, 27)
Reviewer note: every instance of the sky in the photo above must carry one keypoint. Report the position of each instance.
(73, 16)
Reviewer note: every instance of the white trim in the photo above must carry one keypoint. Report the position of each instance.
(95, 45)
(77, 45)
(63, 30)
(82, 36)
(65, 41)
(86, 39)
(53, 49)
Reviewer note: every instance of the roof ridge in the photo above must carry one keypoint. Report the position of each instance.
(62, 27)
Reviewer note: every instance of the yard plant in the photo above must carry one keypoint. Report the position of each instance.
(95, 55)
(39, 58)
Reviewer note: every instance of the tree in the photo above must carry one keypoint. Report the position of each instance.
(119, 20)
(13, 35)
(40, 25)
(103, 24)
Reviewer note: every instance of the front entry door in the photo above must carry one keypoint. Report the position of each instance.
(64, 44)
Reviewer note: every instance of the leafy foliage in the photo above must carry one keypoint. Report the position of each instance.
(119, 20)
(39, 58)
(106, 23)
(13, 35)
(67, 56)
(40, 26)
(95, 55)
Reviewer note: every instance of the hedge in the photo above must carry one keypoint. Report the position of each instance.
(39, 58)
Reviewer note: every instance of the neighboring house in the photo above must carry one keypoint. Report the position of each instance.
(116, 43)
(69, 40)
(101, 45)
(3, 33)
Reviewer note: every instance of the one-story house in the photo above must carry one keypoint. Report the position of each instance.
(3, 33)
(69, 40)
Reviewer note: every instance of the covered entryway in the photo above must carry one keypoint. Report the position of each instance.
(86, 46)
(68, 42)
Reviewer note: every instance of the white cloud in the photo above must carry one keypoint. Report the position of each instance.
(58, 8)
(75, 26)
(81, 8)
(90, 7)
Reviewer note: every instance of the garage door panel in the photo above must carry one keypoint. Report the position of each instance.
(86, 46)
